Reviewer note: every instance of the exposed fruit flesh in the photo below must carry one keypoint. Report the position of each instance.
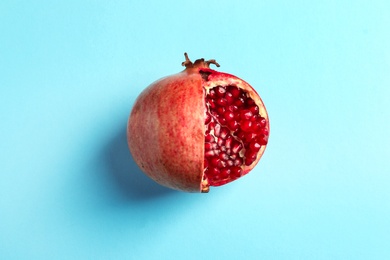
(234, 133)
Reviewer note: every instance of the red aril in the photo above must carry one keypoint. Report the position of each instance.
(198, 128)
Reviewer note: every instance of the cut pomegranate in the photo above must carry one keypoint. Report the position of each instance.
(198, 128)
(241, 149)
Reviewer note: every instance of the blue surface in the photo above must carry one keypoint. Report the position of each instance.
(71, 70)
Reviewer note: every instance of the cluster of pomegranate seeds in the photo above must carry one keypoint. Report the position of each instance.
(235, 132)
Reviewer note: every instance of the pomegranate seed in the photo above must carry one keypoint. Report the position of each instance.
(255, 118)
(217, 130)
(220, 141)
(234, 91)
(237, 116)
(208, 146)
(250, 157)
(262, 121)
(235, 172)
(211, 103)
(212, 171)
(207, 119)
(239, 102)
(209, 138)
(206, 164)
(232, 108)
(216, 177)
(263, 140)
(250, 102)
(255, 146)
(222, 164)
(243, 96)
(250, 154)
(249, 137)
(233, 125)
(230, 162)
(229, 98)
(214, 161)
(249, 161)
(246, 126)
(209, 153)
(228, 142)
(237, 147)
(225, 172)
(224, 132)
(237, 162)
(212, 93)
(240, 134)
(220, 110)
(222, 120)
(229, 115)
(220, 91)
(221, 102)
(254, 109)
(246, 114)
(223, 156)
(256, 126)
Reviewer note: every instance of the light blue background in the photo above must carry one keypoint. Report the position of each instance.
(71, 70)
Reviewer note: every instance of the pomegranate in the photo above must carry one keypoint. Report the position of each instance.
(198, 128)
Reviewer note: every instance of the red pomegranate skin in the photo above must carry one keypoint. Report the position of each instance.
(166, 131)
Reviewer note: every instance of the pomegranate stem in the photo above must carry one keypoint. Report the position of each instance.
(212, 62)
(200, 63)
(187, 63)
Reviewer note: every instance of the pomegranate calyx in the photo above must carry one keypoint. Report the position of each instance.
(205, 185)
(200, 63)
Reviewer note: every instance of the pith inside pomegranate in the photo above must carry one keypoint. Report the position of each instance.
(198, 128)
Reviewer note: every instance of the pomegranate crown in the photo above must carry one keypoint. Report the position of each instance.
(200, 63)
